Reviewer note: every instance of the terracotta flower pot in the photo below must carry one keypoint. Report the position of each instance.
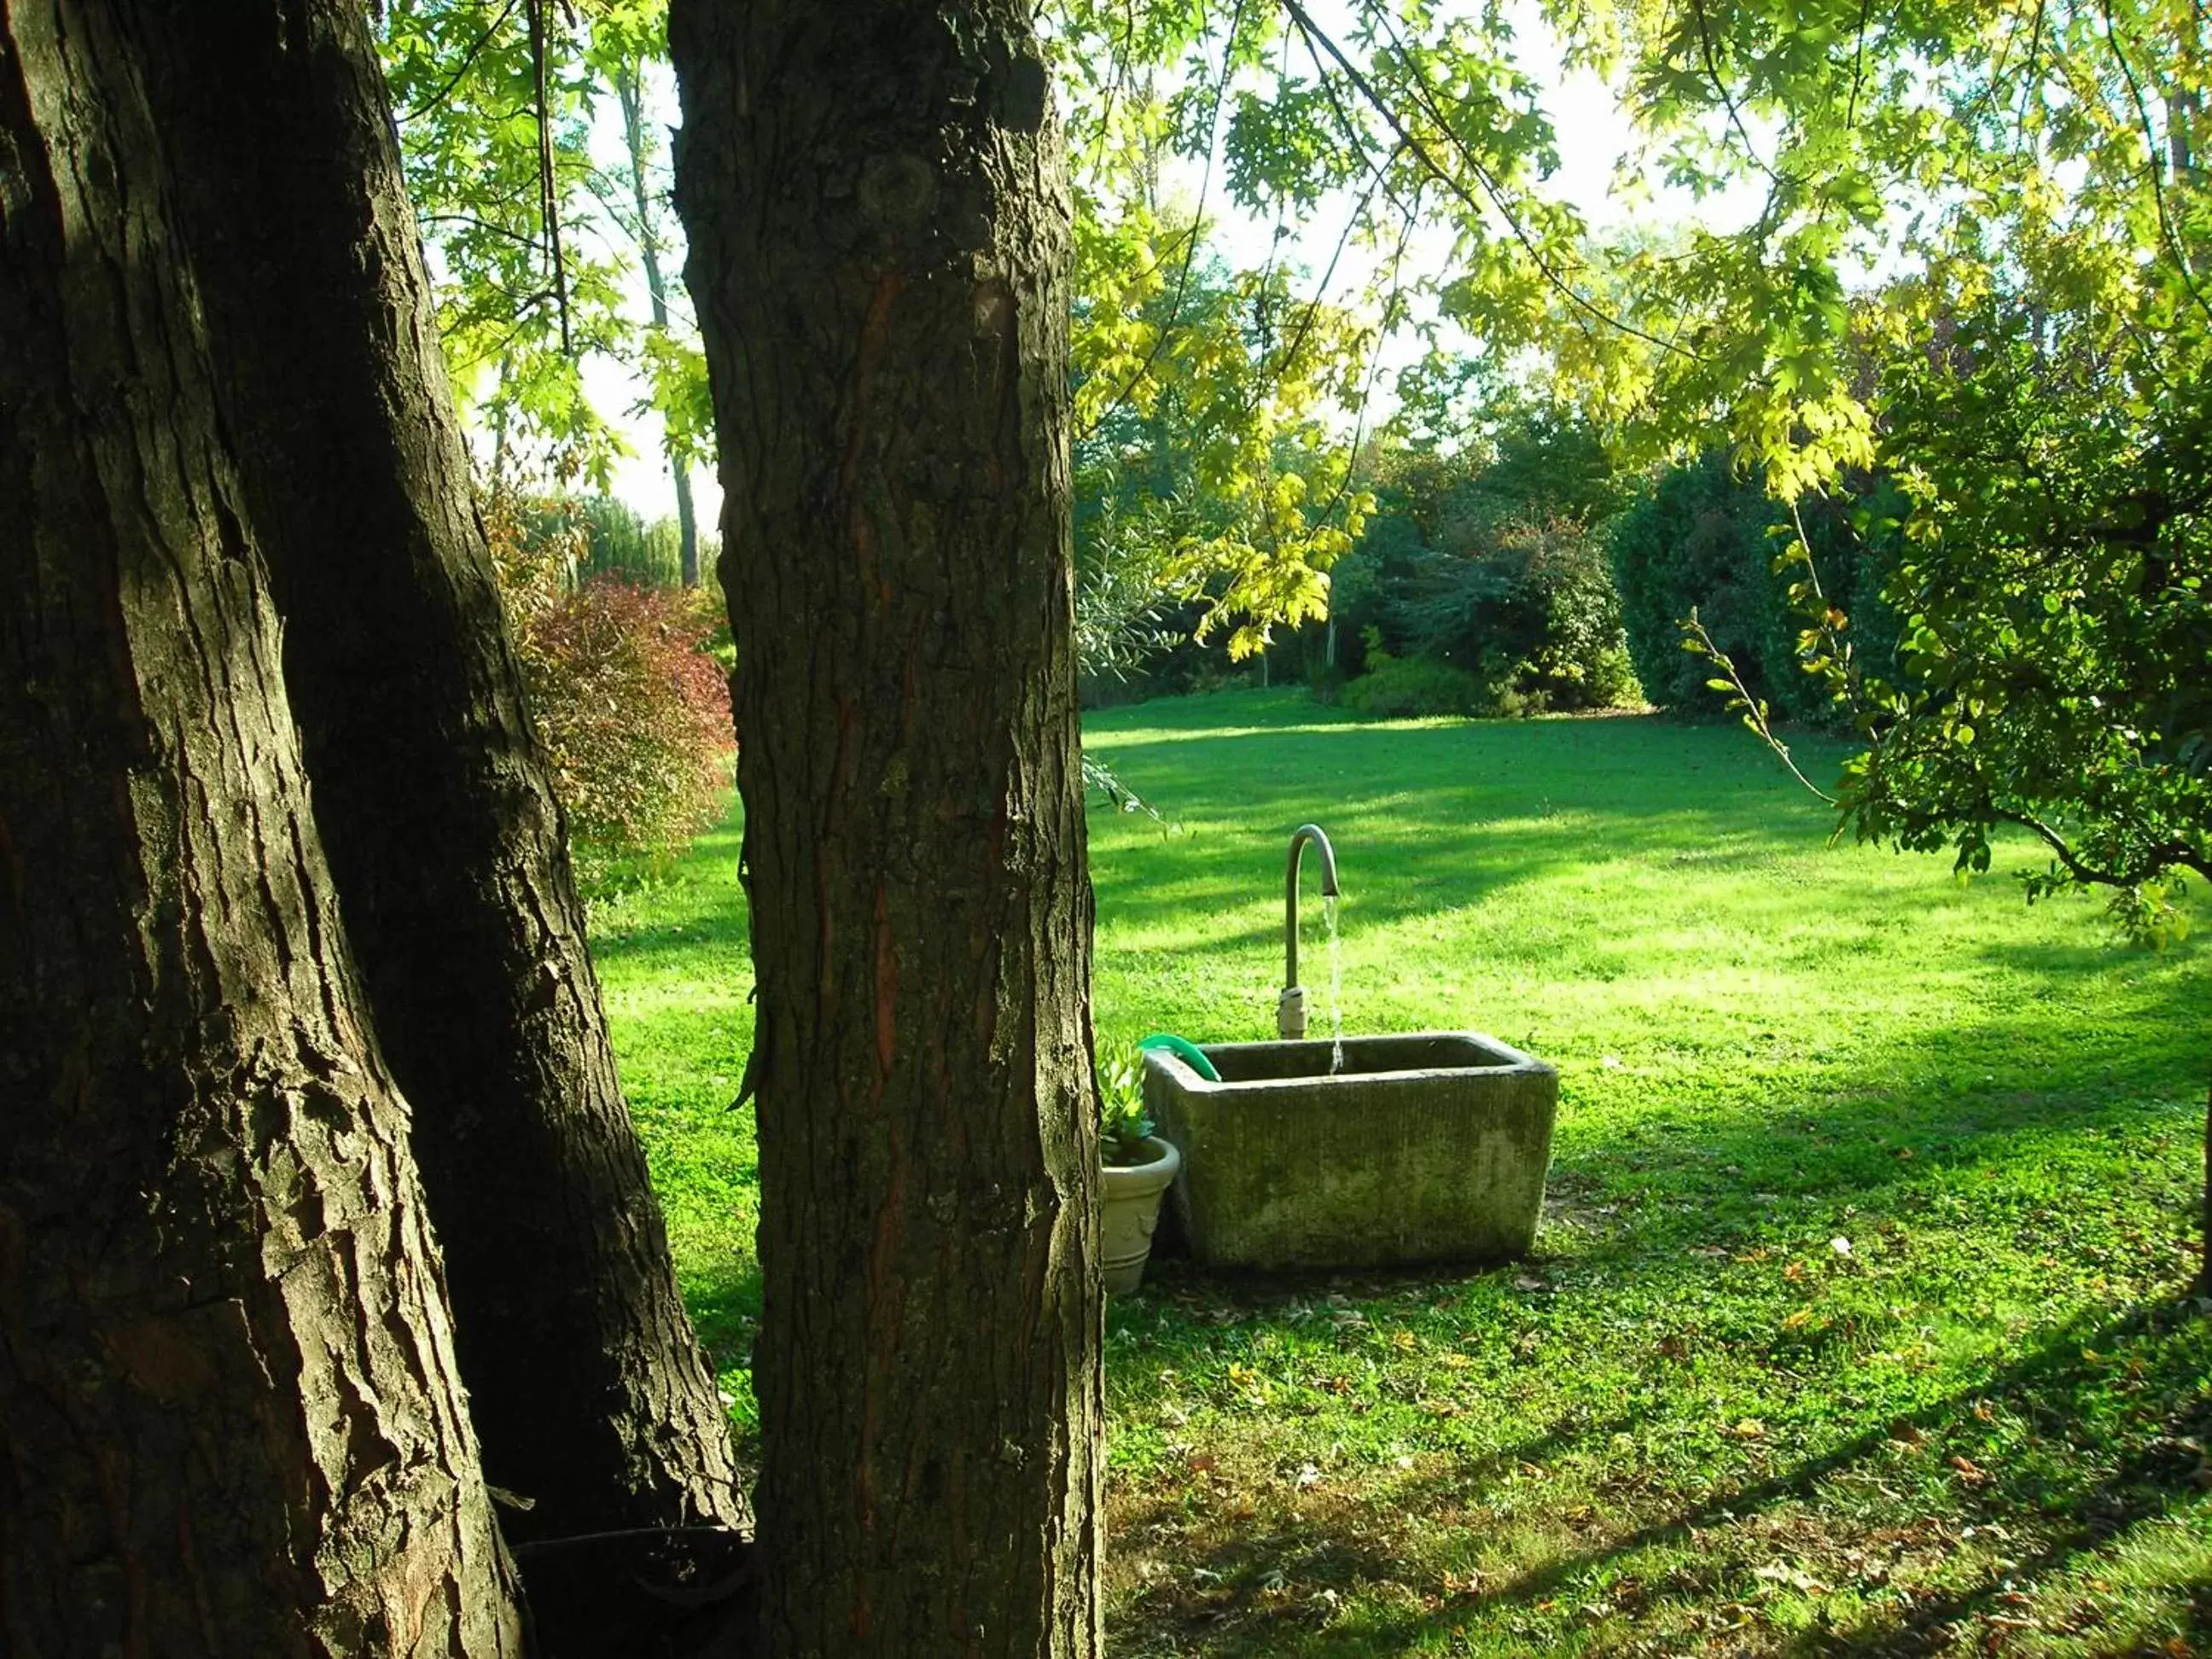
(1132, 1210)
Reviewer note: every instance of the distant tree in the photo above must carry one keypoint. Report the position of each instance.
(1706, 539)
(642, 42)
(1485, 556)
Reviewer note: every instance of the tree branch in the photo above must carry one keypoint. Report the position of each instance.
(1491, 189)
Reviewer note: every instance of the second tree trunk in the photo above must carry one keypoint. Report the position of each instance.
(879, 238)
(431, 789)
(230, 1420)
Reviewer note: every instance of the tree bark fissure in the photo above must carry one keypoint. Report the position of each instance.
(230, 1416)
(590, 1395)
(879, 233)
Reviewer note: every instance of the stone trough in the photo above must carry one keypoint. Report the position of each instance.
(1426, 1148)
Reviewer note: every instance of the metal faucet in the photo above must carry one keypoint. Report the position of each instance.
(1291, 1007)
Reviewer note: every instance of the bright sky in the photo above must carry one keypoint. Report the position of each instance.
(1593, 135)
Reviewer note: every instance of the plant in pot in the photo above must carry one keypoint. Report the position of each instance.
(1138, 1165)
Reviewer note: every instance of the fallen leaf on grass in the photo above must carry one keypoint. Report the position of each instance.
(1967, 1471)
(1781, 1573)
(1749, 1428)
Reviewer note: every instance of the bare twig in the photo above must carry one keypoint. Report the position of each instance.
(1755, 715)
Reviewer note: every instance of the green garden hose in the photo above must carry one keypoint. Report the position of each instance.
(1184, 1050)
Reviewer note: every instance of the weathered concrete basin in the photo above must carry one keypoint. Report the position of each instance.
(1425, 1148)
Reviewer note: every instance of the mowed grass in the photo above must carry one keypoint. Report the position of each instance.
(1854, 1324)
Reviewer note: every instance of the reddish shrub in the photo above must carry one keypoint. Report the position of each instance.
(634, 710)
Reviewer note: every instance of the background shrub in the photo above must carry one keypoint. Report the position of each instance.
(1411, 688)
(628, 696)
(1703, 538)
(1486, 560)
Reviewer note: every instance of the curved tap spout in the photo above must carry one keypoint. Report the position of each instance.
(1291, 1010)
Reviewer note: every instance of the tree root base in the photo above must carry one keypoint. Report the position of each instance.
(658, 1593)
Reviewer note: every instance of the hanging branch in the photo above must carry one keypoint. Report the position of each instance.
(549, 193)
(1491, 188)
(468, 62)
(1197, 226)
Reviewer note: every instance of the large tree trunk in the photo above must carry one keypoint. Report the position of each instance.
(230, 1420)
(878, 224)
(590, 1393)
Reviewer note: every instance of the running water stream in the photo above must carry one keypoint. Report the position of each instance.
(1335, 986)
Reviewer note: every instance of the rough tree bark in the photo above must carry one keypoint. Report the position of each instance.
(590, 1394)
(878, 214)
(230, 1420)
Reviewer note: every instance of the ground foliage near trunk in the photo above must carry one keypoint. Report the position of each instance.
(1693, 1422)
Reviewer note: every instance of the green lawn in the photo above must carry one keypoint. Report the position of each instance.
(1853, 1322)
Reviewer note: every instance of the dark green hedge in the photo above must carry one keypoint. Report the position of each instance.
(1703, 538)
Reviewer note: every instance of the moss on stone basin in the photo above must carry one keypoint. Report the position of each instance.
(1424, 1148)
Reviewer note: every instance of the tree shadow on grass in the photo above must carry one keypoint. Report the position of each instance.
(2051, 1385)
(696, 901)
(725, 1305)
(1231, 1609)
